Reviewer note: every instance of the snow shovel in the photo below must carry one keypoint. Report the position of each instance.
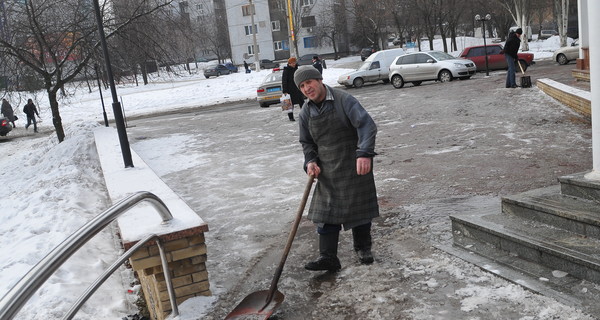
(525, 80)
(262, 304)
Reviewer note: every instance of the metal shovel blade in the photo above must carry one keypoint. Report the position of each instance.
(262, 304)
(255, 306)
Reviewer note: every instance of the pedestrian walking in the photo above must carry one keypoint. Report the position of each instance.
(338, 140)
(289, 87)
(246, 67)
(8, 112)
(511, 48)
(30, 110)
(317, 64)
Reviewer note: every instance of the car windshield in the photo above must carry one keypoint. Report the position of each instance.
(440, 56)
(365, 65)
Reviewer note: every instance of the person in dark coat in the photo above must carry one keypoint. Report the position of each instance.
(511, 48)
(8, 112)
(288, 86)
(338, 140)
(30, 110)
(317, 64)
(246, 67)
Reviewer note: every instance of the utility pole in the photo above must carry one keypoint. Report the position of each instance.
(254, 45)
(291, 35)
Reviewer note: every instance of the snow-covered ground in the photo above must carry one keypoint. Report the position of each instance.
(51, 189)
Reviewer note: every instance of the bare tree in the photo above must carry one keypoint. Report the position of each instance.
(520, 10)
(332, 24)
(210, 33)
(55, 40)
(561, 13)
(428, 13)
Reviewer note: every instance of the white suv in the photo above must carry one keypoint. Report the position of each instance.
(429, 65)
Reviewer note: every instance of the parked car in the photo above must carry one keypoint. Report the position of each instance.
(429, 65)
(215, 71)
(375, 68)
(545, 34)
(366, 52)
(231, 66)
(268, 64)
(566, 54)
(269, 91)
(5, 126)
(306, 60)
(496, 59)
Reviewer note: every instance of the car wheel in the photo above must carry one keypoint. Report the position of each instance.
(218, 73)
(264, 105)
(397, 81)
(363, 59)
(417, 83)
(358, 82)
(445, 76)
(562, 59)
(207, 77)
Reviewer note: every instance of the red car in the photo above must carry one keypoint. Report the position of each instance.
(496, 59)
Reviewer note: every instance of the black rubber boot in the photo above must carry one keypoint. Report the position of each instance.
(328, 260)
(291, 116)
(362, 243)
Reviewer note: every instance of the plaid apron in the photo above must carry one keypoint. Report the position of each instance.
(341, 196)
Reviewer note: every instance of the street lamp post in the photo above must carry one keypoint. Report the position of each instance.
(483, 20)
(117, 112)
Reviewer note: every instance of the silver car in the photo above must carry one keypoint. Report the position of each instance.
(429, 65)
(269, 91)
(566, 54)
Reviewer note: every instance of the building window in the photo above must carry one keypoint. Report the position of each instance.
(251, 49)
(278, 45)
(275, 25)
(200, 8)
(306, 3)
(310, 42)
(281, 4)
(308, 22)
(183, 6)
(247, 10)
(248, 30)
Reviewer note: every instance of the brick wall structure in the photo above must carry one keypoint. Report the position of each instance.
(186, 256)
(577, 99)
(182, 237)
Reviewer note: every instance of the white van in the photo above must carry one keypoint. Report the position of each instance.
(376, 67)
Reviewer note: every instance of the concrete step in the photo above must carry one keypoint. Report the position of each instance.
(483, 232)
(549, 206)
(578, 186)
(534, 277)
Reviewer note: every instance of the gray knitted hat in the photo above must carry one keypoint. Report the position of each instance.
(306, 72)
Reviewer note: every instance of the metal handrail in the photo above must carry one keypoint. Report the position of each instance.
(21, 292)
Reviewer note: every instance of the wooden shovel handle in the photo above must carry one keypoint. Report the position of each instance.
(291, 237)
(519, 63)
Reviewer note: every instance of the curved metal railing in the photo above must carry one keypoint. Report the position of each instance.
(21, 292)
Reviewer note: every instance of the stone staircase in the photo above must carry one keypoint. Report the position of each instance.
(546, 239)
